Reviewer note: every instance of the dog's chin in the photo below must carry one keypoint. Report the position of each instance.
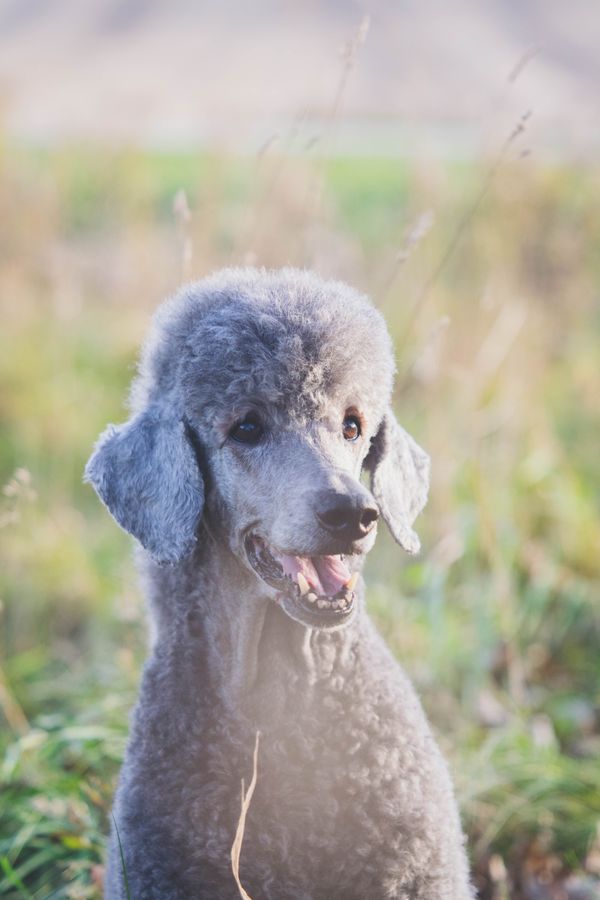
(317, 591)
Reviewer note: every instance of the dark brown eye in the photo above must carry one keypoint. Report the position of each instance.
(351, 428)
(248, 431)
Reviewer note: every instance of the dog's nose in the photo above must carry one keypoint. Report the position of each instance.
(346, 516)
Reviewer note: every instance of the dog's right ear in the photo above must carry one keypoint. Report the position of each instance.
(147, 474)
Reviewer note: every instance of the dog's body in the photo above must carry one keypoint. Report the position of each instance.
(261, 398)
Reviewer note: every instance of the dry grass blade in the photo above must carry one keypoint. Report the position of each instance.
(462, 226)
(349, 55)
(183, 216)
(13, 712)
(236, 847)
(523, 62)
(415, 235)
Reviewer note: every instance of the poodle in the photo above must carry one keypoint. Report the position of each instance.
(262, 396)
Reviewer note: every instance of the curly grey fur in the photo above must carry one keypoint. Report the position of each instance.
(353, 799)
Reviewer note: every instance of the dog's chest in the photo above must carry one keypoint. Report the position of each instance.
(343, 788)
(350, 789)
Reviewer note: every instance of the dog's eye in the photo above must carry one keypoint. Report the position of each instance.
(351, 428)
(248, 431)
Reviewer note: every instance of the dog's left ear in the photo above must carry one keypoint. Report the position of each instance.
(399, 471)
(146, 472)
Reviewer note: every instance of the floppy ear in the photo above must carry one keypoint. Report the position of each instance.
(146, 473)
(399, 471)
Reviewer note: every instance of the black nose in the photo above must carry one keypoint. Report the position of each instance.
(346, 516)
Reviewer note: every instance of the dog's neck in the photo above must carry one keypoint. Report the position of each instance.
(253, 654)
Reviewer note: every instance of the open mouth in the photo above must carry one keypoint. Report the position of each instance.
(315, 590)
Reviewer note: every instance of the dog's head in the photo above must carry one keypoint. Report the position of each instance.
(262, 397)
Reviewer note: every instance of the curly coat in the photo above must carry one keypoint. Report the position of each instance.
(353, 798)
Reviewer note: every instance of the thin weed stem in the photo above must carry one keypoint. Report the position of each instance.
(122, 855)
(463, 224)
(236, 847)
(314, 196)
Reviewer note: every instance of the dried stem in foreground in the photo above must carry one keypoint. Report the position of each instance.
(236, 847)
(463, 224)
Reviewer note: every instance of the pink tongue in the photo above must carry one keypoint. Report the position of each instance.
(333, 573)
(326, 574)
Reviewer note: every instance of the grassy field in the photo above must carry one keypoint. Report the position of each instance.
(494, 306)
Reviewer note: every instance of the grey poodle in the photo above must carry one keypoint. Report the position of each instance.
(261, 398)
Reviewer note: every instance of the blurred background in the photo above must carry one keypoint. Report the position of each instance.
(443, 157)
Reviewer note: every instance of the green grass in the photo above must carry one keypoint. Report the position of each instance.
(497, 621)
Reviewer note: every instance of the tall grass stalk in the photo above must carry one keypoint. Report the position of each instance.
(236, 848)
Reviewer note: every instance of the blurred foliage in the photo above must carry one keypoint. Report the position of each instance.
(498, 356)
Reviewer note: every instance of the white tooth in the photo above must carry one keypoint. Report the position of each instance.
(322, 604)
(351, 583)
(302, 583)
(311, 598)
